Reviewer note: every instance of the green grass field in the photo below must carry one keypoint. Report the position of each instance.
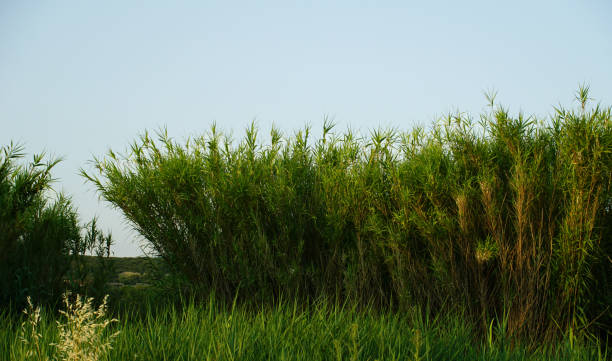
(287, 331)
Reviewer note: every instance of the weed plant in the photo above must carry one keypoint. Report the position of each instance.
(506, 221)
(79, 334)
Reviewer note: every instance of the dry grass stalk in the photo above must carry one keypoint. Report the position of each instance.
(82, 335)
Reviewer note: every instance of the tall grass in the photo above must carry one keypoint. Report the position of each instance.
(506, 220)
(79, 334)
(289, 331)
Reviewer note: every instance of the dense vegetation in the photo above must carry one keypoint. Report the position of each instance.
(506, 221)
(36, 233)
(287, 331)
(487, 239)
(41, 241)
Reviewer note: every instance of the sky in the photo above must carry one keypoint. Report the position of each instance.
(78, 78)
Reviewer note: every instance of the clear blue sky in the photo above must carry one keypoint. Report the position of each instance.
(80, 77)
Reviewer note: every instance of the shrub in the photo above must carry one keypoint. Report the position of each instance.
(507, 219)
(129, 277)
(41, 241)
(36, 232)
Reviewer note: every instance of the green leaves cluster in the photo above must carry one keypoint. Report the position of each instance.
(506, 219)
(41, 245)
(35, 231)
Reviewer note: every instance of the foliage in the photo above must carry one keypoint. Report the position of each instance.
(41, 240)
(507, 218)
(35, 232)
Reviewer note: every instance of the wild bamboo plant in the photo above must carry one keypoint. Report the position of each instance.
(507, 218)
(35, 230)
